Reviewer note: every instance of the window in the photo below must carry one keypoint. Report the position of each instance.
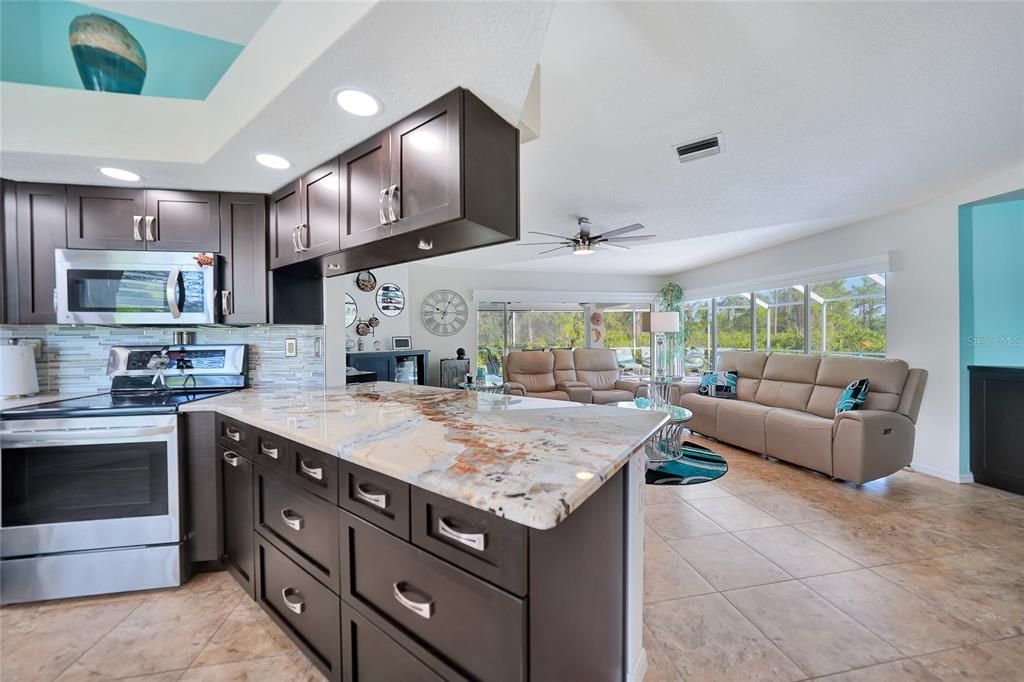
(490, 347)
(623, 333)
(543, 329)
(732, 322)
(848, 316)
(697, 335)
(780, 319)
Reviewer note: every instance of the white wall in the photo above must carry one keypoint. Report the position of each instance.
(922, 297)
(424, 278)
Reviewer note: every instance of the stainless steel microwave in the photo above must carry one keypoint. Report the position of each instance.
(133, 287)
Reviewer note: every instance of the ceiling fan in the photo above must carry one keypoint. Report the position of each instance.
(583, 243)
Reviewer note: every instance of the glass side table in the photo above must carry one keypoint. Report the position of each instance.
(666, 444)
(661, 387)
(498, 387)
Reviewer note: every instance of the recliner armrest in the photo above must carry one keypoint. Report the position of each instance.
(578, 391)
(631, 385)
(870, 444)
(516, 388)
(881, 419)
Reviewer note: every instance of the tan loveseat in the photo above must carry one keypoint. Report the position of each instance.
(785, 408)
(583, 375)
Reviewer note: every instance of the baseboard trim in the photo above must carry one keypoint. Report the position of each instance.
(944, 475)
(639, 671)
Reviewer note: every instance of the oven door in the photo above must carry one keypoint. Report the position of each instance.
(88, 483)
(130, 287)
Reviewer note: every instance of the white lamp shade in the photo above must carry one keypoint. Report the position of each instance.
(17, 370)
(664, 322)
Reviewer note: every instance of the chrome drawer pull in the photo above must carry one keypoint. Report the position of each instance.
(477, 541)
(136, 219)
(230, 457)
(379, 500)
(269, 452)
(392, 218)
(150, 236)
(312, 472)
(294, 606)
(233, 434)
(293, 520)
(422, 609)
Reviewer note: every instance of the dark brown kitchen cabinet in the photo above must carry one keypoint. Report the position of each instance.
(182, 221)
(285, 218)
(365, 179)
(35, 216)
(106, 218)
(236, 496)
(304, 217)
(243, 249)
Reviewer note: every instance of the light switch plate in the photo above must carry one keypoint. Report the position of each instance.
(291, 348)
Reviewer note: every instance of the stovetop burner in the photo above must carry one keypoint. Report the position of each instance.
(112, 404)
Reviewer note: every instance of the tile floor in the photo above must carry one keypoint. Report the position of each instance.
(772, 573)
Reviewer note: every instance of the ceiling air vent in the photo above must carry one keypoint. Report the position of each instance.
(706, 146)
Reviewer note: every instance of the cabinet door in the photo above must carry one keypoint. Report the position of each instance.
(425, 166)
(237, 516)
(285, 216)
(182, 221)
(106, 218)
(243, 244)
(365, 177)
(379, 364)
(320, 233)
(41, 227)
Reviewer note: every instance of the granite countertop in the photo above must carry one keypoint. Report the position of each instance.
(528, 460)
(40, 398)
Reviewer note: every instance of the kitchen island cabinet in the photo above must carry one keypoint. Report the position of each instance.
(467, 536)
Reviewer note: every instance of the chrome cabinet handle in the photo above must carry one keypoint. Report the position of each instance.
(230, 457)
(477, 541)
(380, 205)
(304, 244)
(392, 191)
(295, 239)
(312, 472)
(424, 609)
(136, 219)
(150, 235)
(223, 303)
(292, 520)
(294, 606)
(379, 500)
(269, 452)
(172, 294)
(233, 434)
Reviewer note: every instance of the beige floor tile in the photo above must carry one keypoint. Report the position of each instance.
(727, 563)
(1000, 661)
(98, 615)
(908, 622)
(171, 676)
(42, 656)
(698, 491)
(815, 635)
(982, 588)
(659, 663)
(707, 639)
(905, 670)
(290, 668)
(734, 514)
(796, 553)
(215, 580)
(247, 633)
(679, 520)
(991, 524)
(883, 539)
(743, 484)
(790, 507)
(668, 576)
(163, 634)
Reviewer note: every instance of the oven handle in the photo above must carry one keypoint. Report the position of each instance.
(12, 439)
(172, 291)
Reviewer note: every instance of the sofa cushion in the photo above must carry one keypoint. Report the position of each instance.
(705, 412)
(887, 378)
(800, 438)
(533, 370)
(788, 381)
(549, 395)
(742, 423)
(749, 365)
(564, 367)
(596, 367)
(612, 396)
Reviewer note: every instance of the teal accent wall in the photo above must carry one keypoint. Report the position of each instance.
(991, 235)
(34, 49)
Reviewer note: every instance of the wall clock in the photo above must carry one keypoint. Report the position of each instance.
(444, 312)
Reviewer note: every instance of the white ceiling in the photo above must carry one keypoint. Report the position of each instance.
(830, 112)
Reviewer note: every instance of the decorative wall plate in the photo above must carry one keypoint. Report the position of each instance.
(374, 321)
(596, 319)
(390, 300)
(363, 329)
(366, 281)
(351, 310)
(444, 312)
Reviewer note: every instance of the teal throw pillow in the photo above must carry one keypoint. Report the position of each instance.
(853, 396)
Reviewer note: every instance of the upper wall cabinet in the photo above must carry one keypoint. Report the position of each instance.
(35, 220)
(365, 179)
(139, 220)
(304, 217)
(243, 241)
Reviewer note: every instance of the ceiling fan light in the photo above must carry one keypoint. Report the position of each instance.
(582, 249)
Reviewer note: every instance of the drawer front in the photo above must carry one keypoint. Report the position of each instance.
(236, 436)
(475, 627)
(272, 453)
(370, 655)
(478, 541)
(380, 499)
(301, 525)
(315, 471)
(306, 610)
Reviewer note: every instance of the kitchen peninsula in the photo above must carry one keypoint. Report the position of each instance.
(410, 532)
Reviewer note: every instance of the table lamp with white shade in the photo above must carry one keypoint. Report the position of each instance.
(659, 324)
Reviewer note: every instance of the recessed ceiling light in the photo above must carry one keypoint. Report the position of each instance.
(357, 102)
(120, 174)
(273, 161)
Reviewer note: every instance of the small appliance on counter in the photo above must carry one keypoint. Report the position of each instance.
(17, 370)
(90, 497)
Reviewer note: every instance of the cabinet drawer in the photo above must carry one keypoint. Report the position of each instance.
(480, 542)
(476, 628)
(380, 499)
(272, 453)
(302, 526)
(305, 609)
(370, 655)
(237, 436)
(315, 471)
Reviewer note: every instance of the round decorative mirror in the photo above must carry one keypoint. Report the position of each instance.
(390, 300)
(351, 310)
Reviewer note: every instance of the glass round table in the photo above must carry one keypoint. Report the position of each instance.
(484, 386)
(667, 443)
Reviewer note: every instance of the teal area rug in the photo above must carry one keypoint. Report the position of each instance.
(694, 464)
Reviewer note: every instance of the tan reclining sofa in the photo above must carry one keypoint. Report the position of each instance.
(583, 375)
(785, 408)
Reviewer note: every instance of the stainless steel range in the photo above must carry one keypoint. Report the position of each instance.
(91, 486)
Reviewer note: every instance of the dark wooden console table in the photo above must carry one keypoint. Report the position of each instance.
(997, 426)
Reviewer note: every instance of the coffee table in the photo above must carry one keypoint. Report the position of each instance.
(666, 444)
